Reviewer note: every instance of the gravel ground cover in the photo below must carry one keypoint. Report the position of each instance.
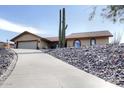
(106, 62)
(6, 57)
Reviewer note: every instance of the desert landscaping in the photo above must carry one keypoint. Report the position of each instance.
(8, 59)
(105, 62)
(71, 50)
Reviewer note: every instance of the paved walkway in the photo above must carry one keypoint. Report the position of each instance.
(36, 69)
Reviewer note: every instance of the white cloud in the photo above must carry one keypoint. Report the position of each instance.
(10, 26)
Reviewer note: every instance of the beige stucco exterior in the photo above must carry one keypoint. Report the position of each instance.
(29, 40)
(102, 40)
(86, 41)
(43, 44)
(30, 37)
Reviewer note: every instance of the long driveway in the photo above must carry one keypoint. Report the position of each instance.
(37, 69)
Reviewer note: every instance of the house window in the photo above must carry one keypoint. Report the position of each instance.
(92, 41)
(77, 44)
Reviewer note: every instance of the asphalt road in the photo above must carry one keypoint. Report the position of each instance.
(35, 69)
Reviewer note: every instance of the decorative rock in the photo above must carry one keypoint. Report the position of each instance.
(106, 62)
(6, 56)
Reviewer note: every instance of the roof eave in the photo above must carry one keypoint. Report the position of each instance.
(13, 39)
(88, 37)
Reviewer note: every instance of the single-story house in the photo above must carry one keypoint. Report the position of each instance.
(6, 45)
(2, 44)
(9, 45)
(27, 40)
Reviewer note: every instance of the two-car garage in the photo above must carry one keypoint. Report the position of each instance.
(27, 40)
(28, 45)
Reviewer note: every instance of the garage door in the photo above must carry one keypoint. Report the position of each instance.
(27, 45)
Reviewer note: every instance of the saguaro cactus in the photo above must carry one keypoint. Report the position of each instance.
(60, 33)
(62, 29)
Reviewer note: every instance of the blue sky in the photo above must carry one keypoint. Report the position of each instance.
(44, 20)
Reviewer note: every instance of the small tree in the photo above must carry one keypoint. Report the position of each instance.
(114, 13)
(116, 38)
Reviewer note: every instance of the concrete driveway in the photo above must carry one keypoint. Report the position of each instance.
(36, 69)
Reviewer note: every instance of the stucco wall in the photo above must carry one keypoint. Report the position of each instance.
(102, 41)
(29, 37)
(43, 44)
(86, 41)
